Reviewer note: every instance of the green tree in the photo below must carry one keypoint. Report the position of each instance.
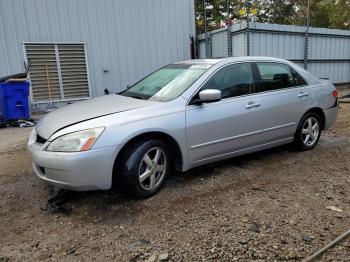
(216, 11)
(338, 13)
(323, 13)
(277, 11)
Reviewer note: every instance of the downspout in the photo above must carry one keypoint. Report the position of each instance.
(306, 44)
(248, 38)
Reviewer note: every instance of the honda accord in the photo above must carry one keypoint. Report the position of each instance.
(183, 115)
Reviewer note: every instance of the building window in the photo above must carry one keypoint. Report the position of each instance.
(58, 72)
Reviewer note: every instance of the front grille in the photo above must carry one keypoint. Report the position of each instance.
(40, 139)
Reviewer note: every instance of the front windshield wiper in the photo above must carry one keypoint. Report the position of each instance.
(137, 97)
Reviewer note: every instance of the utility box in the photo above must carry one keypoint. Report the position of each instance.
(14, 102)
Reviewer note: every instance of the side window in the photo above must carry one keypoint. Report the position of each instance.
(277, 76)
(232, 80)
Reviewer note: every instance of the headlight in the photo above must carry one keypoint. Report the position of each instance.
(75, 142)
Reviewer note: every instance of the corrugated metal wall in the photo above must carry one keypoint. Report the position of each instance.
(219, 43)
(328, 49)
(125, 40)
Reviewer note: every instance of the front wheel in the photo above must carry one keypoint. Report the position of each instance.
(145, 167)
(309, 132)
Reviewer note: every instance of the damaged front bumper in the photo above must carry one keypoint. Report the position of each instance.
(80, 171)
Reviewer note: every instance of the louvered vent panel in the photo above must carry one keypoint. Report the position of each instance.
(43, 72)
(73, 71)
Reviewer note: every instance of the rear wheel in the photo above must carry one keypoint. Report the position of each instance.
(309, 132)
(145, 167)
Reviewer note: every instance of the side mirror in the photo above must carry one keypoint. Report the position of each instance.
(209, 95)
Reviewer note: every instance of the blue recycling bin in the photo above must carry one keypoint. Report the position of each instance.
(14, 103)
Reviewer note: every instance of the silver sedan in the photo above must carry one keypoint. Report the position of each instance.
(183, 115)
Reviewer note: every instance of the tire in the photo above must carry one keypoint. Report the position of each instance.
(308, 132)
(137, 161)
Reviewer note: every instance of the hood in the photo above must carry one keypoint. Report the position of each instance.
(86, 110)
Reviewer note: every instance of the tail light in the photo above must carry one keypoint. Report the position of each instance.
(335, 93)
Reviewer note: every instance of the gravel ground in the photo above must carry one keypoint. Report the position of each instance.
(267, 206)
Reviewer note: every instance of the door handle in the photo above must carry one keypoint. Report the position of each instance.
(251, 105)
(302, 94)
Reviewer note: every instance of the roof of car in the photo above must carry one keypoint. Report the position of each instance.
(222, 61)
(230, 59)
(200, 61)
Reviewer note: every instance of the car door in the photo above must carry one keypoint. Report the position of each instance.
(285, 97)
(219, 129)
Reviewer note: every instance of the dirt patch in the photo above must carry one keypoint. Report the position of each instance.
(265, 206)
(11, 137)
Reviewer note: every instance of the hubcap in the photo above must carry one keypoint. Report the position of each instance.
(152, 168)
(310, 131)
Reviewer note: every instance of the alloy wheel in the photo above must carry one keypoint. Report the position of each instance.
(310, 131)
(152, 168)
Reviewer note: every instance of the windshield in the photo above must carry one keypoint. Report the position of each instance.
(167, 83)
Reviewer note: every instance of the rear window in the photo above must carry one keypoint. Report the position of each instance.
(276, 76)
